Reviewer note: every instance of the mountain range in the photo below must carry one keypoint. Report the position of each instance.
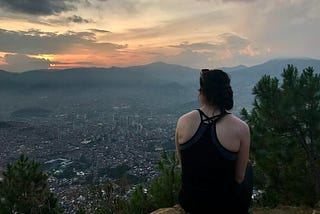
(157, 84)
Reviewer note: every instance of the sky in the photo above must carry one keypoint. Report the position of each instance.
(57, 34)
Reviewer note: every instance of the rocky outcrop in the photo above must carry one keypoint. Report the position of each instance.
(284, 209)
(316, 209)
(173, 210)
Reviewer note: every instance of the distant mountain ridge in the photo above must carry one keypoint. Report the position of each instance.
(235, 68)
(163, 84)
(243, 79)
(135, 75)
(159, 64)
(273, 64)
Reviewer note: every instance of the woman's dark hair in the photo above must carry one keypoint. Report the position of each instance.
(216, 88)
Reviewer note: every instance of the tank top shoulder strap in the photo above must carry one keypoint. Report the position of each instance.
(208, 120)
(203, 117)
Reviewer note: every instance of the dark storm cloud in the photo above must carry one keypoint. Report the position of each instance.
(38, 42)
(39, 7)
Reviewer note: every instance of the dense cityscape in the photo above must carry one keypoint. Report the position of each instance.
(76, 150)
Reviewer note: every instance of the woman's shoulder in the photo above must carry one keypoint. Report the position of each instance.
(236, 119)
(189, 116)
(187, 126)
(237, 122)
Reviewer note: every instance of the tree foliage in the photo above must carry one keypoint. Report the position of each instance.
(140, 201)
(145, 198)
(285, 124)
(162, 191)
(166, 187)
(24, 189)
(104, 198)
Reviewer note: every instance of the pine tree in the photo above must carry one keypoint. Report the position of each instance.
(103, 198)
(24, 189)
(162, 191)
(285, 124)
(166, 187)
(140, 202)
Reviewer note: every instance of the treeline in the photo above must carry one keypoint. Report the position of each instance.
(285, 129)
(285, 151)
(145, 198)
(24, 189)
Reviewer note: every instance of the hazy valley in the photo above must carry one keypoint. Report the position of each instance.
(93, 124)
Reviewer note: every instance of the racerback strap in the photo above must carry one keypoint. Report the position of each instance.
(208, 120)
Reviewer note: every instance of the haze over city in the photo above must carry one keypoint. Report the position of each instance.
(60, 34)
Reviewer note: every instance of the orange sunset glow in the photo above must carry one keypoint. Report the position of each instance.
(193, 33)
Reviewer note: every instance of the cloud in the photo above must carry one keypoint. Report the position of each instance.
(187, 58)
(233, 41)
(42, 7)
(38, 42)
(228, 49)
(58, 63)
(217, 31)
(65, 21)
(288, 31)
(227, 41)
(99, 30)
(21, 62)
(230, 0)
(78, 19)
(197, 46)
(239, 0)
(214, 59)
(129, 6)
(2, 61)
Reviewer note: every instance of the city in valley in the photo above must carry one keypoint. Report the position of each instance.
(93, 125)
(85, 148)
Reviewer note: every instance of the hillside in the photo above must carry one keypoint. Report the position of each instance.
(164, 86)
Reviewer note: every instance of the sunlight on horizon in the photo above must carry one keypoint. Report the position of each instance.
(214, 33)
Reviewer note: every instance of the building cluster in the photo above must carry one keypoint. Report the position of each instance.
(76, 149)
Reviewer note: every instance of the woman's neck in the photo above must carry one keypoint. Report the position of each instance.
(210, 110)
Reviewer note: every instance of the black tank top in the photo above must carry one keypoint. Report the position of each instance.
(208, 171)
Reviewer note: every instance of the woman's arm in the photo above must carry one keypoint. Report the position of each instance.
(243, 154)
(187, 125)
(177, 143)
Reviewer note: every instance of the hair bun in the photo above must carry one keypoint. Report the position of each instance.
(216, 89)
